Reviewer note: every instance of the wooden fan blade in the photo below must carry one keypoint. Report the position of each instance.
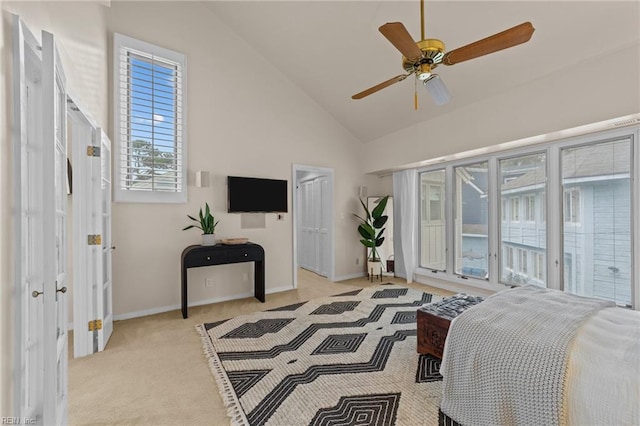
(508, 38)
(398, 35)
(380, 86)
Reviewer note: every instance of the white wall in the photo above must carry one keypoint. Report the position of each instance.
(80, 30)
(585, 93)
(244, 118)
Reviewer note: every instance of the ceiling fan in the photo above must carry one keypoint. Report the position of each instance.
(420, 58)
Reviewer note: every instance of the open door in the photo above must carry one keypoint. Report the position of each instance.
(40, 164)
(92, 307)
(54, 233)
(104, 300)
(28, 224)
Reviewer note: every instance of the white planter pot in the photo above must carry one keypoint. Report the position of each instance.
(208, 239)
(374, 269)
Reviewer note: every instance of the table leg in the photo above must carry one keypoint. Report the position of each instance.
(185, 314)
(259, 280)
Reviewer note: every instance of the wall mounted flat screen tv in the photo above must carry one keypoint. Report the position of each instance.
(254, 195)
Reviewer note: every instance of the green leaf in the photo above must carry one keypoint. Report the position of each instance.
(379, 208)
(380, 221)
(188, 227)
(379, 241)
(366, 231)
(192, 218)
(368, 243)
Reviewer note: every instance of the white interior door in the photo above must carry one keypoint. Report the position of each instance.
(102, 188)
(324, 213)
(28, 224)
(93, 316)
(82, 137)
(54, 169)
(315, 216)
(313, 221)
(306, 226)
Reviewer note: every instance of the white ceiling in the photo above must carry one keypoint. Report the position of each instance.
(333, 49)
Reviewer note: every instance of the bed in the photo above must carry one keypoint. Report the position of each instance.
(531, 355)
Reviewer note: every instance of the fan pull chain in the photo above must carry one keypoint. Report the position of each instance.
(415, 94)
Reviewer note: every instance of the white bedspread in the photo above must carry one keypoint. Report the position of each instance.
(603, 381)
(601, 365)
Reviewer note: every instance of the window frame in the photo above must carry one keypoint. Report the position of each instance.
(529, 208)
(424, 213)
(551, 207)
(151, 196)
(514, 209)
(538, 267)
(574, 208)
(523, 261)
(458, 213)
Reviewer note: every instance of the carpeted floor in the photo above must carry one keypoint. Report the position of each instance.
(153, 371)
(348, 359)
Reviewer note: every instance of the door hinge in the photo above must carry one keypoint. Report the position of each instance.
(93, 151)
(95, 325)
(94, 240)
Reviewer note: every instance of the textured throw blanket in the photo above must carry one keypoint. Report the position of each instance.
(505, 359)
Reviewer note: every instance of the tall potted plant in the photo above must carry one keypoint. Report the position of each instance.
(371, 228)
(207, 224)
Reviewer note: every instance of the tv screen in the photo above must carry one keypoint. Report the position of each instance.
(247, 195)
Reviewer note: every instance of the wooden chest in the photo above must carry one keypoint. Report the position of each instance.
(434, 321)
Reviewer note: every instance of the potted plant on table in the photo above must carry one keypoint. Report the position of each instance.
(371, 228)
(207, 224)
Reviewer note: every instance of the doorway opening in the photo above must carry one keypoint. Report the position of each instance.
(313, 222)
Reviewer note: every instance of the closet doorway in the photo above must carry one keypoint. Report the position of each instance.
(313, 221)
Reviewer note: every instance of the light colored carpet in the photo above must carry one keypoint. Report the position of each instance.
(154, 372)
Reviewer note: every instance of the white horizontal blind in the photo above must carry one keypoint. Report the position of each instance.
(149, 122)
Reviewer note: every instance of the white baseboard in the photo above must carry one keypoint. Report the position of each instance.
(279, 289)
(454, 287)
(154, 311)
(146, 312)
(350, 276)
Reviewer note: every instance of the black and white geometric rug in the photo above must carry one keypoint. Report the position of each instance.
(348, 359)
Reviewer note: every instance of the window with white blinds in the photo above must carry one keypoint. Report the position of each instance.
(149, 118)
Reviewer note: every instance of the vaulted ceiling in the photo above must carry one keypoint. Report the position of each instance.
(333, 49)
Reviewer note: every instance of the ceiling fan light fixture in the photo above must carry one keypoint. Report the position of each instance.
(438, 91)
(423, 72)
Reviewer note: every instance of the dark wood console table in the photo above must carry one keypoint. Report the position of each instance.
(221, 254)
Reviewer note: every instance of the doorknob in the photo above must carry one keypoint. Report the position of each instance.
(62, 290)
(36, 293)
